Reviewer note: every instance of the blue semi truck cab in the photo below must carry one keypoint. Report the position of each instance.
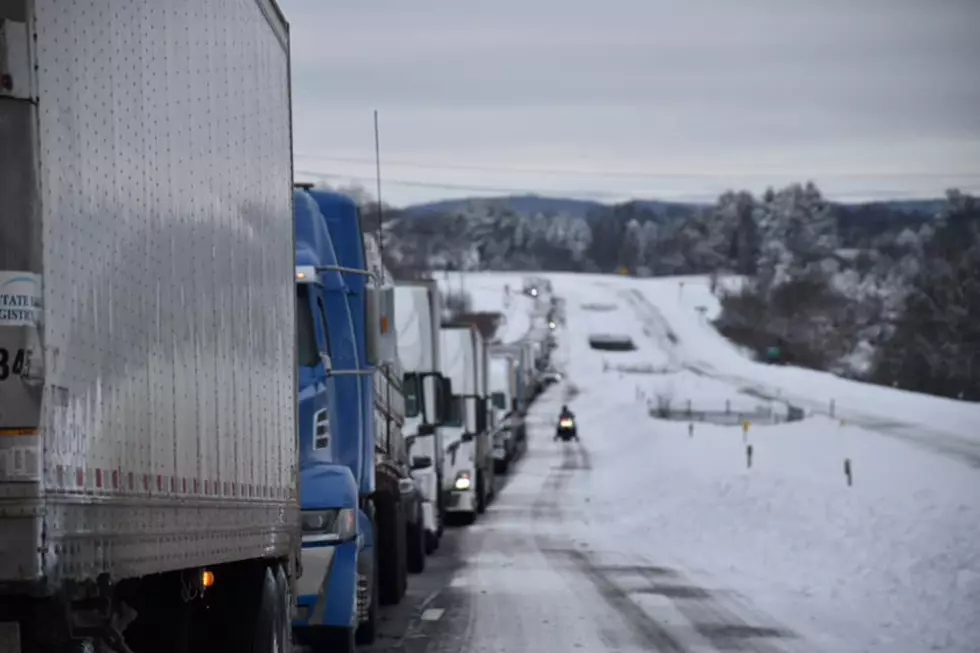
(336, 593)
(355, 486)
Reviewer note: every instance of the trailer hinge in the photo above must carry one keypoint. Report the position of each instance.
(16, 71)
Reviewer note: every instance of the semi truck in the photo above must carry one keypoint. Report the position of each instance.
(468, 462)
(148, 445)
(390, 416)
(352, 484)
(509, 435)
(337, 594)
(418, 314)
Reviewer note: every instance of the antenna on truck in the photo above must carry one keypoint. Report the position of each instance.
(377, 168)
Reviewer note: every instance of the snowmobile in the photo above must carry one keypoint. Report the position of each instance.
(567, 429)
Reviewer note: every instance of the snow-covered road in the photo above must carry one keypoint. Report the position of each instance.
(528, 582)
(659, 535)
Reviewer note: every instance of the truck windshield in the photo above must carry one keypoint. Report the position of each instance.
(455, 411)
(306, 348)
(411, 390)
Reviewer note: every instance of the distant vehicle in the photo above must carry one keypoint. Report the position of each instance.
(535, 286)
(507, 422)
(549, 378)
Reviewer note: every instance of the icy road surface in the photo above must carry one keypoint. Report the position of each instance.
(659, 535)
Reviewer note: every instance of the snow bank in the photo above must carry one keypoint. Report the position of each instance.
(702, 345)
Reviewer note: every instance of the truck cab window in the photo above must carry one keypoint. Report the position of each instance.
(323, 326)
(306, 350)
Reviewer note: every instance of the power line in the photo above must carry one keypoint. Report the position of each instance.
(589, 194)
(403, 163)
(708, 196)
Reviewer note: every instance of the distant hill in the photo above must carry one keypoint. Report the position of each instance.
(523, 204)
(534, 204)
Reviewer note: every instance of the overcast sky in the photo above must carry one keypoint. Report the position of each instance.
(644, 98)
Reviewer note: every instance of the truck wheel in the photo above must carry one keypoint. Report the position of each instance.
(401, 550)
(266, 624)
(415, 536)
(481, 493)
(285, 611)
(391, 551)
(367, 631)
(431, 542)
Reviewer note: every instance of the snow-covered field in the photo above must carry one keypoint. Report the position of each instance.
(889, 564)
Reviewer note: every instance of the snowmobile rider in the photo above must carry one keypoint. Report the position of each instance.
(569, 415)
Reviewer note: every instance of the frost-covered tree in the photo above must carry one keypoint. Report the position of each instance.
(935, 345)
(799, 234)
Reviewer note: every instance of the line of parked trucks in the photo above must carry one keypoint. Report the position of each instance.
(399, 412)
(222, 423)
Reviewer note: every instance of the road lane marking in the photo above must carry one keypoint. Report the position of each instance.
(432, 614)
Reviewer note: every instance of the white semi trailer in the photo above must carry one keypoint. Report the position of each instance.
(148, 457)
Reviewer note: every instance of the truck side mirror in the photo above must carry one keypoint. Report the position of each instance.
(481, 416)
(372, 320)
(379, 324)
(447, 397)
(436, 398)
(499, 401)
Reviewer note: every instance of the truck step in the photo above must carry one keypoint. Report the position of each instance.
(363, 597)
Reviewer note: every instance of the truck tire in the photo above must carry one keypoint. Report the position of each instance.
(392, 564)
(481, 493)
(263, 626)
(367, 631)
(401, 551)
(285, 592)
(500, 466)
(415, 540)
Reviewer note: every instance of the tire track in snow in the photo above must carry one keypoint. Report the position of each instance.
(646, 631)
(717, 620)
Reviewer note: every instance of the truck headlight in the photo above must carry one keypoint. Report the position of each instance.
(463, 481)
(336, 525)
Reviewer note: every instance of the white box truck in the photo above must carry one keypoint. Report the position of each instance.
(148, 457)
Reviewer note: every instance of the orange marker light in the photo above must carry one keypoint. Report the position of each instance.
(207, 578)
(384, 324)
